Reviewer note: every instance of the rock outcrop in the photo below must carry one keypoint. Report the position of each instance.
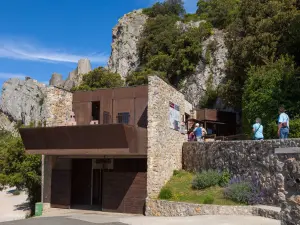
(124, 55)
(23, 99)
(29, 101)
(210, 70)
(74, 78)
(7, 124)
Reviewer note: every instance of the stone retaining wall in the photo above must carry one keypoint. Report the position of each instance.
(244, 159)
(169, 209)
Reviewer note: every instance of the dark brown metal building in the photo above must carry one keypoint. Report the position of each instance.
(220, 123)
(103, 166)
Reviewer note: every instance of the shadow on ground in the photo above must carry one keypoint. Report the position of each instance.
(55, 221)
(22, 207)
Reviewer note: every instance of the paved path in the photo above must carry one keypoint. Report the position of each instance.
(82, 219)
(12, 207)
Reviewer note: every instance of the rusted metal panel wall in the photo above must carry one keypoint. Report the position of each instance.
(86, 138)
(83, 112)
(141, 111)
(124, 189)
(113, 101)
(124, 192)
(61, 184)
(123, 106)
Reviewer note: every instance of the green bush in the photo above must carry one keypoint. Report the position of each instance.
(208, 199)
(224, 178)
(165, 193)
(206, 179)
(238, 192)
(295, 128)
(179, 173)
(168, 7)
(267, 88)
(99, 78)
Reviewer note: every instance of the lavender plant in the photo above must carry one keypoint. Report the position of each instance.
(246, 191)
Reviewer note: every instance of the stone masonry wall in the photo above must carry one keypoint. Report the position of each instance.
(156, 207)
(164, 143)
(244, 159)
(57, 106)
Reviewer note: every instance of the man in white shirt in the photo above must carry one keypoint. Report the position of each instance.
(283, 124)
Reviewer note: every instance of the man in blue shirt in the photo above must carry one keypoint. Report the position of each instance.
(283, 124)
(258, 130)
(198, 132)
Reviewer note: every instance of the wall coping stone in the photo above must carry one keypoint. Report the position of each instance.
(155, 207)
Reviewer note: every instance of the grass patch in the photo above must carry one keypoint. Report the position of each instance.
(180, 186)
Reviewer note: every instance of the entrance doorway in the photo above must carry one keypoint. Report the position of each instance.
(97, 188)
(96, 111)
(81, 182)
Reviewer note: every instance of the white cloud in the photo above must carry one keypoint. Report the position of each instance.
(20, 50)
(12, 75)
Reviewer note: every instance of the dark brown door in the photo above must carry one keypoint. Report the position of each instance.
(81, 181)
(125, 188)
(97, 196)
(61, 189)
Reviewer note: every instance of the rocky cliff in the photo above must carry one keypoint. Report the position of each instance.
(210, 70)
(29, 101)
(124, 56)
(74, 78)
(22, 100)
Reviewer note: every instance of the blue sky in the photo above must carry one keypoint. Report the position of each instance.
(39, 37)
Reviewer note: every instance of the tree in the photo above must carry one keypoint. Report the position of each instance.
(168, 7)
(220, 13)
(268, 87)
(257, 34)
(100, 78)
(166, 49)
(141, 77)
(19, 169)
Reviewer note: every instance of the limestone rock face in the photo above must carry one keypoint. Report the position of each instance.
(56, 80)
(186, 26)
(6, 124)
(211, 68)
(74, 78)
(29, 101)
(124, 56)
(23, 99)
(83, 67)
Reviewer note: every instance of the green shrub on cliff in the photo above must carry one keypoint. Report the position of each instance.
(168, 50)
(168, 7)
(99, 78)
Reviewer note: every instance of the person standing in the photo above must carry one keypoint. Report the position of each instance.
(204, 132)
(258, 130)
(283, 124)
(198, 132)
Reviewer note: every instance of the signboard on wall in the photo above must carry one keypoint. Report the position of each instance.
(174, 116)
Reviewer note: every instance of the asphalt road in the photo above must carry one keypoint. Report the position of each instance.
(138, 220)
(55, 221)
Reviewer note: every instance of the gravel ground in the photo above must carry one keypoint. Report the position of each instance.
(12, 207)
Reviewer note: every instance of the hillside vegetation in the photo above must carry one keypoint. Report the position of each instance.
(263, 41)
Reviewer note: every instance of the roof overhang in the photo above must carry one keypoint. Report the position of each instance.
(112, 139)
